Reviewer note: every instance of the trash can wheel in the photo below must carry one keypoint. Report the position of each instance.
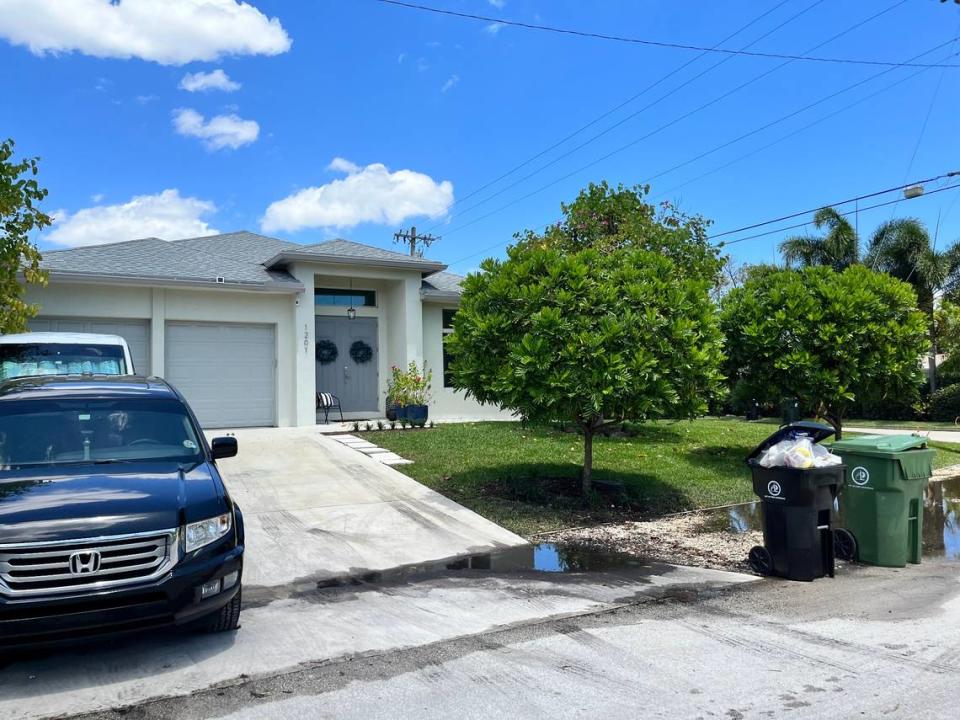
(844, 545)
(760, 560)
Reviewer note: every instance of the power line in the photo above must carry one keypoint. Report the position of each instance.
(698, 157)
(952, 173)
(793, 133)
(667, 95)
(629, 100)
(850, 212)
(639, 41)
(857, 199)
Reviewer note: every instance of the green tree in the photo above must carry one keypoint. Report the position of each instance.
(820, 335)
(593, 332)
(609, 219)
(902, 248)
(838, 248)
(19, 216)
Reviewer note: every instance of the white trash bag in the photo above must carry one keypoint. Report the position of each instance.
(800, 452)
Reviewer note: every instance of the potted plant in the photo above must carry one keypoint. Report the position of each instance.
(410, 391)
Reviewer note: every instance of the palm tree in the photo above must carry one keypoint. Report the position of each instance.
(839, 248)
(903, 248)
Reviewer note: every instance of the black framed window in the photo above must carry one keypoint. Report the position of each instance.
(448, 316)
(344, 298)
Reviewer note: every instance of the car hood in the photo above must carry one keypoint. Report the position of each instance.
(82, 502)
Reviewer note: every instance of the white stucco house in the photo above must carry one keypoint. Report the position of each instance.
(238, 321)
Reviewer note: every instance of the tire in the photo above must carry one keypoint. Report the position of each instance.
(226, 618)
(760, 560)
(844, 545)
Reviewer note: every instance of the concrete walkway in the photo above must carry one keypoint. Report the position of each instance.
(317, 510)
(947, 436)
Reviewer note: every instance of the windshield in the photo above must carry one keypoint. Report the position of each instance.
(29, 359)
(78, 432)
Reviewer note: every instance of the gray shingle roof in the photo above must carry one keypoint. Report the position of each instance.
(442, 283)
(156, 259)
(240, 258)
(346, 250)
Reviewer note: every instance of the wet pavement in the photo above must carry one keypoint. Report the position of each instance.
(941, 519)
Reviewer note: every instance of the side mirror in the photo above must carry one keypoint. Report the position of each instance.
(223, 447)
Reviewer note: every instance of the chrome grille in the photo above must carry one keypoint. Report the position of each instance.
(56, 568)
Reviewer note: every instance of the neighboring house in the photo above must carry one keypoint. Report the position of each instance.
(237, 321)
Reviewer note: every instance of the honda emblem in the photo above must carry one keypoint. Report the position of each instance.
(85, 563)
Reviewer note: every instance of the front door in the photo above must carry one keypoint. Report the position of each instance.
(347, 361)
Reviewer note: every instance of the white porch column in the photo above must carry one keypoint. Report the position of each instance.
(158, 331)
(304, 371)
(413, 317)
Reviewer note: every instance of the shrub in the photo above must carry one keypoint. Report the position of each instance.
(945, 404)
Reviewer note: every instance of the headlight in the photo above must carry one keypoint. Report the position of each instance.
(205, 532)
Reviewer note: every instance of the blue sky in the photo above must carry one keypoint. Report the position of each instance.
(377, 90)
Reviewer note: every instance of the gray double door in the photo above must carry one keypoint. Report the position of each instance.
(352, 377)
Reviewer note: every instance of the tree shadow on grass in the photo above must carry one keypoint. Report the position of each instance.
(557, 486)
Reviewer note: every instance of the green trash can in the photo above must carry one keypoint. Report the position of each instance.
(881, 506)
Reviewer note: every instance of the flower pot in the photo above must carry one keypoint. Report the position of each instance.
(400, 413)
(391, 410)
(416, 414)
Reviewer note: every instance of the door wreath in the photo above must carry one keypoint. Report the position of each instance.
(361, 352)
(326, 352)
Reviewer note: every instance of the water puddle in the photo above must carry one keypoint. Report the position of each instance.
(552, 557)
(941, 519)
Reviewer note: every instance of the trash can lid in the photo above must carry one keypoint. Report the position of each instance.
(880, 444)
(815, 431)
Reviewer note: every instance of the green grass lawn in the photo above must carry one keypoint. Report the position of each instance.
(526, 479)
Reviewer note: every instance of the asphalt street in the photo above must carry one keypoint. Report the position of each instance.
(871, 643)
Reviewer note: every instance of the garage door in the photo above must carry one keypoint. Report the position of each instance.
(135, 332)
(226, 371)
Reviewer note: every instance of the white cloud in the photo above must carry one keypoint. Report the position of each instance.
(493, 28)
(498, 3)
(169, 32)
(220, 131)
(165, 215)
(367, 194)
(400, 58)
(97, 197)
(450, 83)
(206, 81)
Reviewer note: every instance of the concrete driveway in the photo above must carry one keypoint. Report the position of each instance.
(317, 511)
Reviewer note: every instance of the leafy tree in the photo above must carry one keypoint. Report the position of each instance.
(19, 215)
(592, 328)
(820, 335)
(903, 248)
(838, 248)
(609, 219)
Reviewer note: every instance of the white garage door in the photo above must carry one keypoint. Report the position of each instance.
(135, 332)
(226, 371)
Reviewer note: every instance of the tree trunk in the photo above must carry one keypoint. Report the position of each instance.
(586, 474)
(933, 361)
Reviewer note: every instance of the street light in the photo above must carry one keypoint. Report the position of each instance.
(913, 191)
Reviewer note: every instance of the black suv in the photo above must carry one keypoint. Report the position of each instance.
(113, 516)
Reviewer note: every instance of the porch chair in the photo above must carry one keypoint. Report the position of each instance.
(328, 402)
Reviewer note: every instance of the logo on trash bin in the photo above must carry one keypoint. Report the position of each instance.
(860, 475)
(773, 487)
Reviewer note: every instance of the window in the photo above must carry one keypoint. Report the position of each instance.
(448, 316)
(344, 298)
(87, 432)
(19, 360)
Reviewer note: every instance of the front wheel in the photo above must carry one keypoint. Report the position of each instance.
(844, 545)
(226, 618)
(760, 560)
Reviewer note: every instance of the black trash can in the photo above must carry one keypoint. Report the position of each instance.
(789, 411)
(797, 506)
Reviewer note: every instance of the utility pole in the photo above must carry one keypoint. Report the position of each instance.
(411, 238)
